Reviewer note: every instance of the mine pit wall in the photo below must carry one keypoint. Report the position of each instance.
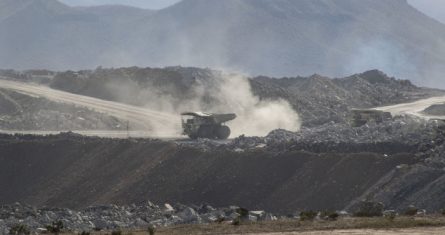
(75, 172)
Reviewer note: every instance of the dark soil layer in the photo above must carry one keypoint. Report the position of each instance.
(74, 171)
(438, 110)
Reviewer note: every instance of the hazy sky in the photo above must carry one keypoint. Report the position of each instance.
(434, 8)
(149, 4)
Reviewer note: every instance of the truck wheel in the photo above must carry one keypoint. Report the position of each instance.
(222, 132)
(205, 132)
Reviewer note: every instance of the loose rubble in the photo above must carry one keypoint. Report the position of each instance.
(402, 130)
(113, 217)
(25, 112)
(438, 110)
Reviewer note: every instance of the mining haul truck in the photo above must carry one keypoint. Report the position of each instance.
(206, 125)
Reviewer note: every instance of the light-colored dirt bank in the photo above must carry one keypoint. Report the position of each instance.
(415, 108)
(151, 120)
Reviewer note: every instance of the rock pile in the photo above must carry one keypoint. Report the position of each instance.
(438, 110)
(113, 217)
(403, 130)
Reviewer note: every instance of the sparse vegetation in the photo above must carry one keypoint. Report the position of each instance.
(369, 209)
(329, 215)
(243, 212)
(220, 220)
(308, 215)
(116, 232)
(151, 230)
(56, 227)
(19, 229)
(292, 225)
(236, 221)
(390, 215)
(411, 211)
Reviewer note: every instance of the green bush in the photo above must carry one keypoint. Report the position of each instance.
(236, 222)
(151, 230)
(329, 215)
(220, 220)
(390, 214)
(19, 229)
(243, 212)
(411, 211)
(391, 217)
(369, 209)
(56, 227)
(308, 215)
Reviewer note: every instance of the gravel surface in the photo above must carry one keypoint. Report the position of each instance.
(411, 231)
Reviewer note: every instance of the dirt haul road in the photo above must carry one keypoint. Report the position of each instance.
(158, 124)
(415, 108)
(411, 231)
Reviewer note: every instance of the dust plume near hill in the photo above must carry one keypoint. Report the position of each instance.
(316, 99)
(156, 102)
(197, 90)
(154, 97)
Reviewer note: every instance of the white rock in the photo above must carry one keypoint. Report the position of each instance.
(41, 230)
(259, 214)
(168, 208)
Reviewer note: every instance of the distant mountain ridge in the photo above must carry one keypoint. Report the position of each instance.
(259, 37)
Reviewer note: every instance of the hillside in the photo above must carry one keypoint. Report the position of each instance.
(25, 112)
(317, 168)
(94, 171)
(299, 101)
(316, 99)
(270, 37)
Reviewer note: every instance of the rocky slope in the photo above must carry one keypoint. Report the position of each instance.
(271, 37)
(117, 218)
(317, 99)
(318, 168)
(310, 101)
(437, 110)
(24, 112)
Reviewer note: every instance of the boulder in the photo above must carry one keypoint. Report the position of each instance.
(168, 208)
(389, 213)
(126, 217)
(188, 215)
(258, 214)
(3, 227)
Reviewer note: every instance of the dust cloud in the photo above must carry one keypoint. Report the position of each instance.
(255, 117)
(217, 93)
